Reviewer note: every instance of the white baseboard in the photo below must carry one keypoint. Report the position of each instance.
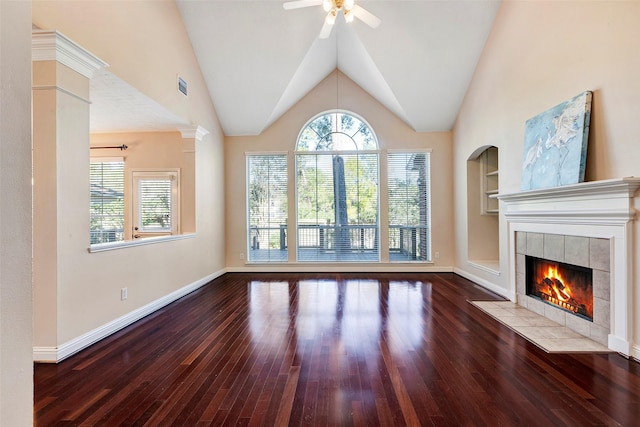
(45, 354)
(57, 354)
(332, 268)
(622, 346)
(635, 352)
(486, 284)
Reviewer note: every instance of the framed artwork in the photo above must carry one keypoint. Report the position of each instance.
(555, 145)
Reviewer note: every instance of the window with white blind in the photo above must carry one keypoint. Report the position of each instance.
(409, 206)
(267, 204)
(107, 200)
(337, 190)
(155, 203)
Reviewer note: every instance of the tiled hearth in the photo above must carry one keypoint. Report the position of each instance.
(545, 333)
(590, 225)
(588, 252)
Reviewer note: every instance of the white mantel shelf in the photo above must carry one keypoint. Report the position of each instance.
(609, 201)
(608, 187)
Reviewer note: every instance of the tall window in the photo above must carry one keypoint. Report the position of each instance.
(155, 203)
(267, 202)
(409, 206)
(107, 200)
(337, 190)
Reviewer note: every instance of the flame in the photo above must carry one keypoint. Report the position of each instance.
(561, 294)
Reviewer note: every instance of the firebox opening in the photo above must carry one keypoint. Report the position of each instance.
(565, 286)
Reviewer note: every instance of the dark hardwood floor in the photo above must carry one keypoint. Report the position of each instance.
(332, 349)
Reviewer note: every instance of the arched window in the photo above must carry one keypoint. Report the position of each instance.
(337, 190)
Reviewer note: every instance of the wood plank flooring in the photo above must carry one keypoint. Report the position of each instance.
(332, 350)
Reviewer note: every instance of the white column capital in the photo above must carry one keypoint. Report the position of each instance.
(48, 45)
(195, 131)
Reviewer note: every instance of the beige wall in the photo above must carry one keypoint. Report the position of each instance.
(153, 150)
(538, 55)
(16, 367)
(146, 45)
(392, 133)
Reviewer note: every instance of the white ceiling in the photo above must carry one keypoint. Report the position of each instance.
(259, 59)
(118, 106)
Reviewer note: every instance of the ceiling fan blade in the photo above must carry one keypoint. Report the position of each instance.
(301, 3)
(365, 16)
(326, 29)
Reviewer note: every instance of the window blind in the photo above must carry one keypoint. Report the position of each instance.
(106, 202)
(337, 207)
(409, 206)
(155, 204)
(267, 204)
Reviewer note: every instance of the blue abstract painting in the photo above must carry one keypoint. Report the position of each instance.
(555, 145)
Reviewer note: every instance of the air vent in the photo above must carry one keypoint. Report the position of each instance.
(182, 86)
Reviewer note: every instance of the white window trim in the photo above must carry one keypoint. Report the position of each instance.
(98, 159)
(174, 174)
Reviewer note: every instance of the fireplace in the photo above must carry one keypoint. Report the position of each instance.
(590, 225)
(566, 286)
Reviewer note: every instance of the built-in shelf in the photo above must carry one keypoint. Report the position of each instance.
(489, 181)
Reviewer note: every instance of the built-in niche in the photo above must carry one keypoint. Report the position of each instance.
(482, 208)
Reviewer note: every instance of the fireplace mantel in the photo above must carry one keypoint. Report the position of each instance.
(617, 186)
(599, 209)
(596, 201)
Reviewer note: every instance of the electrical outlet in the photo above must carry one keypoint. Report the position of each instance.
(241, 255)
(123, 294)
(437, 255)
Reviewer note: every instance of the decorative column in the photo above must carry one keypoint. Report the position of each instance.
(61, 74)
(190, 135)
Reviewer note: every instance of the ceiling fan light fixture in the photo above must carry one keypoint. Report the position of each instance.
(348, 16)
(331, 18)
(348, 5)
(327, 5)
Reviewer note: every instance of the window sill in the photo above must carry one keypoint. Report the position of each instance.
(101, 247)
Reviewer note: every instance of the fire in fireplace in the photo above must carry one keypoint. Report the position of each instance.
(568, 287)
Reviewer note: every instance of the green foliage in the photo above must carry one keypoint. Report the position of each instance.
(267, 190)
(316, 201)
(336, 131)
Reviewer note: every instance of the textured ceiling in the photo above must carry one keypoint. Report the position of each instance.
(259, 59)
(117, 106)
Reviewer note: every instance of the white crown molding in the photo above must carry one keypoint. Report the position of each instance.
(47, 45)
(197, 132)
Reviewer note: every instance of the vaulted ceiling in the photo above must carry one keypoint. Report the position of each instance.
(259, 59)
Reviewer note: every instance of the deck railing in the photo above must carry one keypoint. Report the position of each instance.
(408, 241)
(104, 236)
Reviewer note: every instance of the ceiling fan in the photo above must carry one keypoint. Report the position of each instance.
(348, 8)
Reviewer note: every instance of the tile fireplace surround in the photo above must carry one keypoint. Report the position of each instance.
(589, 224)
(591, 252)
